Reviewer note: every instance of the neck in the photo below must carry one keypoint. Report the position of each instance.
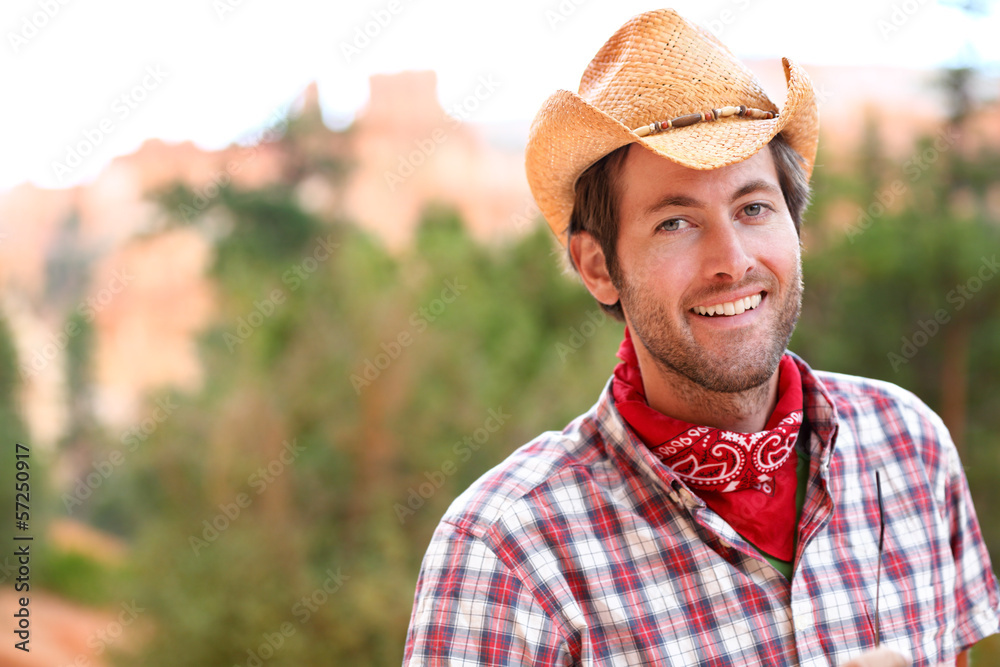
(675, 395)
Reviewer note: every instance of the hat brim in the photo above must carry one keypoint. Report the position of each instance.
(569, 135)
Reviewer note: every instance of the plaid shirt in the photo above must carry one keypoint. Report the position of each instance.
(583, 549)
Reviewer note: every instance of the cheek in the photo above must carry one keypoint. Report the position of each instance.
(780, 251)
(661, 281)
(785, 262)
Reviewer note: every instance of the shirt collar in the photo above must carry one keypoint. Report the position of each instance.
(631, 454)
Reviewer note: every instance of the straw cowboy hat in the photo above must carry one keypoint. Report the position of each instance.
(673, 88)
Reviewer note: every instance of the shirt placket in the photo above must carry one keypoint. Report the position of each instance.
(816, 513)
(801, 617)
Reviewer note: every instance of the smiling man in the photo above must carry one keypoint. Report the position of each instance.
(723, 503)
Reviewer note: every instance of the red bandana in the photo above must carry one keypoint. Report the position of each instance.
(747, 478)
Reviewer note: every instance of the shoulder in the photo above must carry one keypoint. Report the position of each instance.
(866, 399)
(883, 417)
(535, 478)
(867, 392)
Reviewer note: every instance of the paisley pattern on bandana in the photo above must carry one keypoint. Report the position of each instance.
(747, 478)
(716, 460)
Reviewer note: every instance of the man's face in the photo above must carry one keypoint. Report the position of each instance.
(696, 242)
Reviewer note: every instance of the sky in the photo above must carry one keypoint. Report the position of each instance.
(100, 77)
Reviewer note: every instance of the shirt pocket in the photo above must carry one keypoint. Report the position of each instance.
(916, 605)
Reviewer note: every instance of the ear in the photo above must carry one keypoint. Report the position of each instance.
(590, 263)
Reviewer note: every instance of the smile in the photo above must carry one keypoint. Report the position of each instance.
(730, 307)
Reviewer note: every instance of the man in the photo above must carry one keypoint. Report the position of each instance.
(722, 503)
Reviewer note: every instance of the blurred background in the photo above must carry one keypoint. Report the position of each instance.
(273, 290)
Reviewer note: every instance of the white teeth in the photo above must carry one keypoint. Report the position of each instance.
(730, 307)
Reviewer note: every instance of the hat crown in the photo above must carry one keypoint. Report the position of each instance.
(658, 66)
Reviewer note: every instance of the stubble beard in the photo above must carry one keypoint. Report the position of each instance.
(746, 365)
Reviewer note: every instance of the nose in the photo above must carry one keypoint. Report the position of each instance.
(726, 255)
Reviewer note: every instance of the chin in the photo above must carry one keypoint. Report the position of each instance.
(734, 380)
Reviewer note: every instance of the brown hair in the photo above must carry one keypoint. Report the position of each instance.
(595, 205)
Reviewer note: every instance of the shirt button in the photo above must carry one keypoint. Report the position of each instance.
(802, 614)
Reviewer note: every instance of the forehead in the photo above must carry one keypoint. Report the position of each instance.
(646, 177)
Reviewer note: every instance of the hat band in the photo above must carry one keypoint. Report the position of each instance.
(704, 116)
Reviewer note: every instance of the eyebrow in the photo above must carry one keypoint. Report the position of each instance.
(758, 185)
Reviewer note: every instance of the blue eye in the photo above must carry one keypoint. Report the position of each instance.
(671, 225)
